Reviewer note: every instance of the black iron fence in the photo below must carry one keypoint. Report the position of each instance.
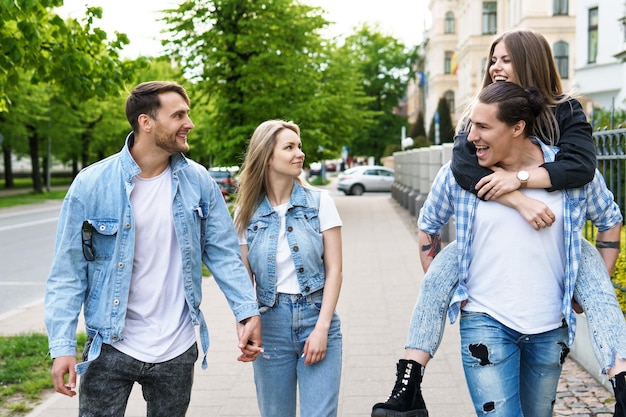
(611, 157)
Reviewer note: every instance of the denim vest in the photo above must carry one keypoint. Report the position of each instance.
(95, 274)
(302, 227)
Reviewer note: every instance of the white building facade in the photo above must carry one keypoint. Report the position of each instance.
(457, 44)
(600, 52)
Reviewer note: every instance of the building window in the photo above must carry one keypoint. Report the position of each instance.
(490, 14)
(592, 36)
(560, 7)
(448, 26)
(447, 62)
(561, 58)
(449, 96)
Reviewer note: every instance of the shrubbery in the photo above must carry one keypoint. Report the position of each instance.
(619, 274)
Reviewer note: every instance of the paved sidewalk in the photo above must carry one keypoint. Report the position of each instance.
(382, 275)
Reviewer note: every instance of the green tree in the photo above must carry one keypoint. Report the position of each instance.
(75, 56)
(446, 129)
(607, 119)
(418, 128)
(28, 111)
(72, 58)
(256, 60)
(384, 64)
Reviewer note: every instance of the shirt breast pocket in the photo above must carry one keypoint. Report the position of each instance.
(256, 231)
(99, 236)
(309, 216)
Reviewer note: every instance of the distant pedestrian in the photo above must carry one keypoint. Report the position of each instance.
(290, 238)
(133, 233)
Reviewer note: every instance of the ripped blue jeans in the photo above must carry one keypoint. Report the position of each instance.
(593, 291)
(509, 373)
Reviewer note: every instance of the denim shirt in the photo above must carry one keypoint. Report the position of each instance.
(302, 226)
(100, 196)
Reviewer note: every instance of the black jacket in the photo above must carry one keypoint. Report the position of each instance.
(575, 163)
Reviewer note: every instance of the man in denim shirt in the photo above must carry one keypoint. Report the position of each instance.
(133, 233)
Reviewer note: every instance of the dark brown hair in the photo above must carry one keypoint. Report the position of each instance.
(144, 99)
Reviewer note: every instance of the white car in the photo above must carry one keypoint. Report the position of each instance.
(359, 179)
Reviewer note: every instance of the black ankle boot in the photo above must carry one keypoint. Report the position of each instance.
(619, 388)
(406, 398)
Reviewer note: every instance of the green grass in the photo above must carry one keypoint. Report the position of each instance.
(317, 180)
(28, 183)
(25, 371)
(31, 197)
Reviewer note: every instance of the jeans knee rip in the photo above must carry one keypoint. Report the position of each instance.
(480, 352)
(489, 407)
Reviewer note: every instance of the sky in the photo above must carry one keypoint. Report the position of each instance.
(139, 19)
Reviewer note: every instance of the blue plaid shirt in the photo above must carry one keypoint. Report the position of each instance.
(594, 201)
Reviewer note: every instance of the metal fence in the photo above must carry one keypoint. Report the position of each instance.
(416, 169)
(611, 157)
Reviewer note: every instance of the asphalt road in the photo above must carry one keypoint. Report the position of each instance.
(27, 236)
(26, 246)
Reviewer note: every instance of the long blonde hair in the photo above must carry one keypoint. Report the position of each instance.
(252, 179)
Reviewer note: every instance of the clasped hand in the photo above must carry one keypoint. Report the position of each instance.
(500, 184)
(249, 335)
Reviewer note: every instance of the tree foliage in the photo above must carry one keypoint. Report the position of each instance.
(608, 118)
(76, 56)
(253, 61)
(418, 128)
(73, 60)
(446, 129)
(385, 67)
(63, 84)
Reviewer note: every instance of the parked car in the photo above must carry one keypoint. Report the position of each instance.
(225, 178)
(315, 168)
(359, 179)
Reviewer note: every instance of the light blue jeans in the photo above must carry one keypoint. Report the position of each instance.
(593, 291)
(280, 370)
(510, 374)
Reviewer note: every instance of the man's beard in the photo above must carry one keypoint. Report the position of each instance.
(170, 143)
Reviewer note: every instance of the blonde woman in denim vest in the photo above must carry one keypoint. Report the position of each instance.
(290, 240)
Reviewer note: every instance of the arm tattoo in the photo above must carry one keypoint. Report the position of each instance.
(604, 244)
(434, 247)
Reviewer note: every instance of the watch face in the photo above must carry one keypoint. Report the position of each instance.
(523, 175)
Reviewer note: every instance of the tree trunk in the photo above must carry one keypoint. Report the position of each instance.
(8, 168)
(33, 144)
(85, 151)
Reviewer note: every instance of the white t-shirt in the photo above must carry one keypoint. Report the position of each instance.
(158, 326)
(516, 273)
(286, 277)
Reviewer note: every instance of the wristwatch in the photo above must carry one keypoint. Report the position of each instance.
(523, 176)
